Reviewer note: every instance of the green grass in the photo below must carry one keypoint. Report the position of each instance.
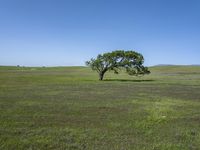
(68, 108)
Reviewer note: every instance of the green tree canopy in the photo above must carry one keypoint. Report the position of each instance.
(114, 61)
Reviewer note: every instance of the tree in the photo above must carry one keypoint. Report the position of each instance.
(116, 60)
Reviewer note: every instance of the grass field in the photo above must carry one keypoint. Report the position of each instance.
(68, 108)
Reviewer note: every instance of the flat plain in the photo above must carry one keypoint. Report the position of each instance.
(68, 108)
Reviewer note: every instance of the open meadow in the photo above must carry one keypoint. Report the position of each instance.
(68, 108)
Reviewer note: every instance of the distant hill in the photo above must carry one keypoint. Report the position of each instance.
(165, 65)
(176, 65)
(195, 65)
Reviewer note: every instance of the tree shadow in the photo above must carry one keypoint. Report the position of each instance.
(128, 80)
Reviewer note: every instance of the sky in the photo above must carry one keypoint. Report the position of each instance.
(70, 32)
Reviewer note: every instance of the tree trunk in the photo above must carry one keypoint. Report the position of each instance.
(101, 74)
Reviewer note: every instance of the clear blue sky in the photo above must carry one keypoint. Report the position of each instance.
(69, 32)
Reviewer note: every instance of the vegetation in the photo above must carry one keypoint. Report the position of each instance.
(116, 60)
(66, 108)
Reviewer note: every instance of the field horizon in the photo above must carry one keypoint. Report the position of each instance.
(53, 66)
(69, 108)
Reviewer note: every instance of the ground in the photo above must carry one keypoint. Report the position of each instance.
(68, 108)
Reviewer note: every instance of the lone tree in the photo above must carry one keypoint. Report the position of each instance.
(114, 61)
